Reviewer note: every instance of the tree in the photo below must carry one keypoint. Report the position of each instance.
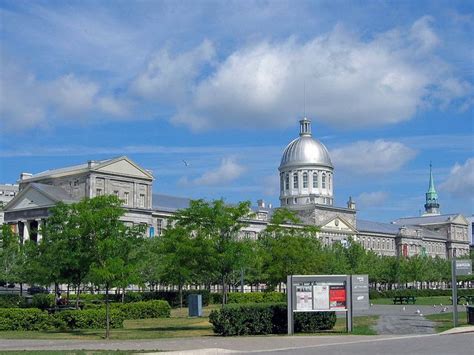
(289, 248)
(12, 257)
(217, 226)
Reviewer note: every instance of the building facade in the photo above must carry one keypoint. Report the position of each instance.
(306, 186)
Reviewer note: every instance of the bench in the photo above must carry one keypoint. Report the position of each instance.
(70, 306)
(404, 299)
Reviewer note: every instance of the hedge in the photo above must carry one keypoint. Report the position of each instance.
(256, 297)
(427, 292)
(143, 310)
(27, 319)
(89, 318)
(12, 301)
(266, 318)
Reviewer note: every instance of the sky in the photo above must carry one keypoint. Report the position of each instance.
(221, 85)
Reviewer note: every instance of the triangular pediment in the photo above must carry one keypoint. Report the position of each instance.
(338, 224)
(30, 198)
(123, 166)
(460, 219)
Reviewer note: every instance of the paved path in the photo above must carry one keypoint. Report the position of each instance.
(396, 319)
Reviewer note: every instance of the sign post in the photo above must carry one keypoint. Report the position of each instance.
(458, 267)
(326, 293)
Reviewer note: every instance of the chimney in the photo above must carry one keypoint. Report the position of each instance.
(270, 206)
(351, 203)
(261, 203)
(90, 163)
(24, 176)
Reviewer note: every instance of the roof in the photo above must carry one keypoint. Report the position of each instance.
(377, 227)
(443, 218)
(169, 203)
(66, 169)
(54, 192)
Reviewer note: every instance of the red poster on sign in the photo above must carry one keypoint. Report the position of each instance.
(337, 297)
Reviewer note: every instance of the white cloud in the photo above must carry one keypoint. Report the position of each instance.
(26, 102)
(167, 78)
(371, 199)
(460, 182)
(228, 171)
(377, 157)
(350, 82)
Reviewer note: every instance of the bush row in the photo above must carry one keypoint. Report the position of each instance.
(266, 318)
(256, 297)
(419, 292)
(36, 319)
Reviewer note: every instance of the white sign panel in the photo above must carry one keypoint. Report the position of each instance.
(321, 297)
(304, 298)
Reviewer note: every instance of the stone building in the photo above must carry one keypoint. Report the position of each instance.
(306, 186)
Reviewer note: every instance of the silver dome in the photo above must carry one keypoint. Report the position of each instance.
(305, 150)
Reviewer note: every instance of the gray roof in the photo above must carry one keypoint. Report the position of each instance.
(425, 220)
(377, 227)
(66, 169)
(169, 203)
(55, 192)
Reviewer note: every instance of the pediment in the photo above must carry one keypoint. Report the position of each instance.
(30, 198)
(123, 166)
(460, 219)
(338, 224)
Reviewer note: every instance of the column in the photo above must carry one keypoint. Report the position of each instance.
(26, 231)
(40, 230)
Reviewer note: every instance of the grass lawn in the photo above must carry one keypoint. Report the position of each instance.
(178, 325)
(419, 300)
(444, 321)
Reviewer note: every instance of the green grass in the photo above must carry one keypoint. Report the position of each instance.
(444, 321)
(70, 352)
(362, 325)
(422, 301)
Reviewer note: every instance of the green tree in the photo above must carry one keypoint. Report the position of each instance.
(289, 248)
(217, 226)
(12, 257)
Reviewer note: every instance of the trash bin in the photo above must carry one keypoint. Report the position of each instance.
(195, 305)
(470, 314)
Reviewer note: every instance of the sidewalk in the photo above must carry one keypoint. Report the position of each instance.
(459, 330)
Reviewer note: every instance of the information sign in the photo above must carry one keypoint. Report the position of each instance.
(337, 297)
(463, 267)
(321, 297)
(304, 298)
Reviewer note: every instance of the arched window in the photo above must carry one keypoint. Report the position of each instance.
(315, 180)
(323, 181)
(287, 181)
(295, 180)
(305, 180)
(329, 181)
(282, 182)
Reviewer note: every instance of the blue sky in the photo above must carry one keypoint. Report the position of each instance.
(220, 84)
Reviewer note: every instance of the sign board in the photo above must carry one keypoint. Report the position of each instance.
(360, 292)
(463, 267)
(321, 297)
(304, 298)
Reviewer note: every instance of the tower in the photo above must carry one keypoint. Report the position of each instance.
(431, 205)
(306, 171)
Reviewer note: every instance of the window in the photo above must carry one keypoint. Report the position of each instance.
(305, 180)
(98, 192)
(295, 200)
(125, 198)
(315, 180)
(282, 182)
(323, 181)
(287, 181)
(329, 182)
(142, 200)
(295, 180)
(159, 227)
(116, 193)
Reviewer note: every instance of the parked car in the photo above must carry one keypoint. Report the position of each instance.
(33, 290)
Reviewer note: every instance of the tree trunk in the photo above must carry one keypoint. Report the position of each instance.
(77, 295)
(123, 295)
(67, 293)
(180, 288)
(224, 293)
(107, 320)
(21, 288)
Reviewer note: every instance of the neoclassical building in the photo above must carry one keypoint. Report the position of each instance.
(306, 186)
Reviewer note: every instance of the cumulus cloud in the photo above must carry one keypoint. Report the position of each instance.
(376, 157)
(460, 182)
(26, 102)
(350, 81)
(227, 171)
(167, 77)
(370, 199)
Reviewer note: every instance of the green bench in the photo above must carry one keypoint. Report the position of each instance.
(404, 299)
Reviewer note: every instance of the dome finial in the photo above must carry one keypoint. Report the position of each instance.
(305, 127)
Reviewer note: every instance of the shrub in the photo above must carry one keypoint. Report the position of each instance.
(26, 319)
(265, 318)
(215, 298)
(12, 301)
(89, 318)
(143, 310)
(256, 297)
(173, 297)
(427, 292)
(42, 301)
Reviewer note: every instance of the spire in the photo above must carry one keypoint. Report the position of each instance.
(305, 127)
(431, 205)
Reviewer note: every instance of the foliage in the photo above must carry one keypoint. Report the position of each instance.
(12, 256)
(90, 318)
(12, 301)
(42, 301)
(143, 310)
(419, 292)
(256, 297)
(25, 319)
(254, 319)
